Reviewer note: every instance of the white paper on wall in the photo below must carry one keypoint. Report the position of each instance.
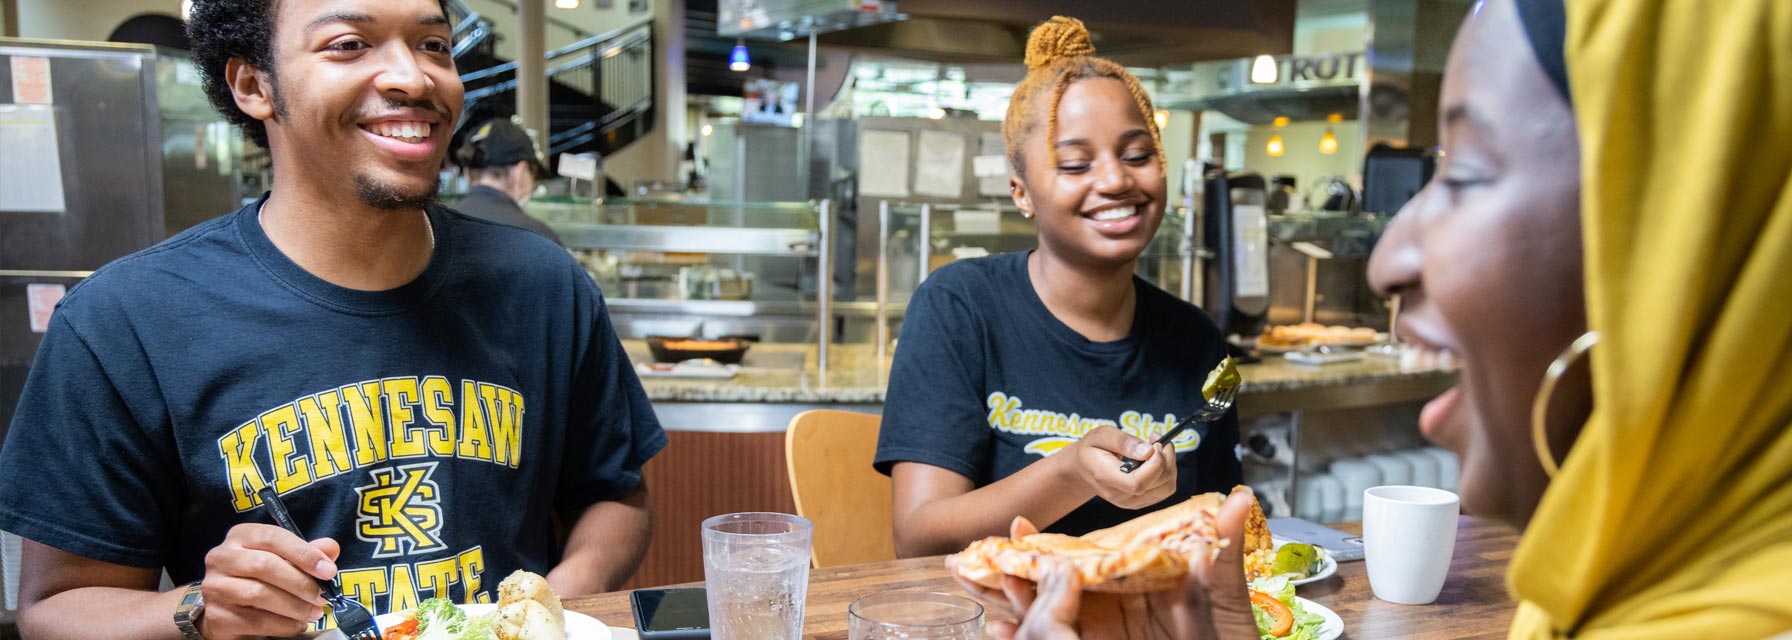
(939, 167)
(31, 166)
(883, 164)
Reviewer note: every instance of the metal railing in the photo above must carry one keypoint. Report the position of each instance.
(614, 68)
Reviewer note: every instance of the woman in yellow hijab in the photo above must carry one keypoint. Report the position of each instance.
(1652, 220)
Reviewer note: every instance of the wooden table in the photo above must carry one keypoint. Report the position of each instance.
(1474, 602)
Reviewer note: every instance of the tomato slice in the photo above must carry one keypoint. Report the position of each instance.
(403, 631)
(1280, 613)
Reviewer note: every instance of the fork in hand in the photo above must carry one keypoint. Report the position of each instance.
(354, 620)
(1213, 410)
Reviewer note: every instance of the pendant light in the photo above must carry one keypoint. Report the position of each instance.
(1263, 70)
(737, 59)
(1328, 143)
(1276, 148)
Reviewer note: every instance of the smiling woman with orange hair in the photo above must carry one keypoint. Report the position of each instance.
(1625, 184)
(1023, 379)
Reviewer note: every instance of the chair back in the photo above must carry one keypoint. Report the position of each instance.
(828, 454)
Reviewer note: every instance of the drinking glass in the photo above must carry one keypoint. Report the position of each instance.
(756, 571)
(915, 615)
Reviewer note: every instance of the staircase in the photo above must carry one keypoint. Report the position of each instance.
(600, 88)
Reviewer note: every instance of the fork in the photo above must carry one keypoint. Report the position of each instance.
(353, 620)
(1213, 410)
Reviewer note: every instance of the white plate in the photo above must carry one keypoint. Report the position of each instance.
(1333, 625)
(578, 625)
(1327, 566)
(722, 372)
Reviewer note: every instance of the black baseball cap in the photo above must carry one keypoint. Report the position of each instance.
(501, 142)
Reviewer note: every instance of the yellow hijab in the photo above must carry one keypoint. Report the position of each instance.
(1672, 516)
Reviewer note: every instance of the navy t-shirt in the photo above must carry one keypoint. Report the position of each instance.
(431, 429)
(987, 381)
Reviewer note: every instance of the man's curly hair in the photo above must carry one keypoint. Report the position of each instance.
(219, 30)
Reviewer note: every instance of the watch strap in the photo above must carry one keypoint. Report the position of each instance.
(186, 616)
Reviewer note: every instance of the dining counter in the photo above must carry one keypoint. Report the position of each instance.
(1474, 602)
(784, 379)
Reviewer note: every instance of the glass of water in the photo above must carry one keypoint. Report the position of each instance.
(756, 572)
(915, 615)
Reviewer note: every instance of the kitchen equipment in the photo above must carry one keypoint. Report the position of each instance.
(704, 282)
(101, 156)
(1235, 232)
(674, 349)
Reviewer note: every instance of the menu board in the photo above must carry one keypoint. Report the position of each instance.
(939, 167)
(883, 164)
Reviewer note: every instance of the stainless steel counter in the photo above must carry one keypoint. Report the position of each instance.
(778, 381)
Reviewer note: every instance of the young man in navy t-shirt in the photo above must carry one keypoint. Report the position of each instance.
(438, 399)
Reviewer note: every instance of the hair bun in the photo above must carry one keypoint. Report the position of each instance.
(1059, 37)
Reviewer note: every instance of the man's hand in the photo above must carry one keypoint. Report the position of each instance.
(1098, 458)
(262, 581)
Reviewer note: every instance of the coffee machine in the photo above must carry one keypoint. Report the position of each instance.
(1235, 242)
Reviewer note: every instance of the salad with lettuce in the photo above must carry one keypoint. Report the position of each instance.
(1279, 615)
(439, 619)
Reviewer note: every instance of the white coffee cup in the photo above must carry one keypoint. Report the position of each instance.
(1448, 467)
(1424, 468)
(1357, 475)
(1394, 469)
(1408, 536)
(1332, 492)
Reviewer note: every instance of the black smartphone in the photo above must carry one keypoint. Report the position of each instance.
(672, 614)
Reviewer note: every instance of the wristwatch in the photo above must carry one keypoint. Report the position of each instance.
(186, 616)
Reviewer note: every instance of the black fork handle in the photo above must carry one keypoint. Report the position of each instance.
(1128, 465)
(271, 500)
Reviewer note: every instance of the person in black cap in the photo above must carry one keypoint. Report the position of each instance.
(502, 165)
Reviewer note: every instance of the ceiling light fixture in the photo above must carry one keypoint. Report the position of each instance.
(1263, 70)
(737, 59)
(567, 4)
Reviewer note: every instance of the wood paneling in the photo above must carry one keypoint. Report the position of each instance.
(701, 474)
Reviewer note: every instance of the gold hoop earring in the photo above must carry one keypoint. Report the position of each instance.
(1546, 391)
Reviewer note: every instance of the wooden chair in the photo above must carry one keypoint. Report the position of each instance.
(828, 454)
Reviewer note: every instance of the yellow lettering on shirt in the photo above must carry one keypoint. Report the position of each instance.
(404, 588)
(475, 439)
(472, 567)
(504, 410)
(401, 395)
(323, 423)
(238, 450)
(364, 412)
(364, 585)
(436, 577)
(1057, 430)
(437, 396)
(291, 470)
